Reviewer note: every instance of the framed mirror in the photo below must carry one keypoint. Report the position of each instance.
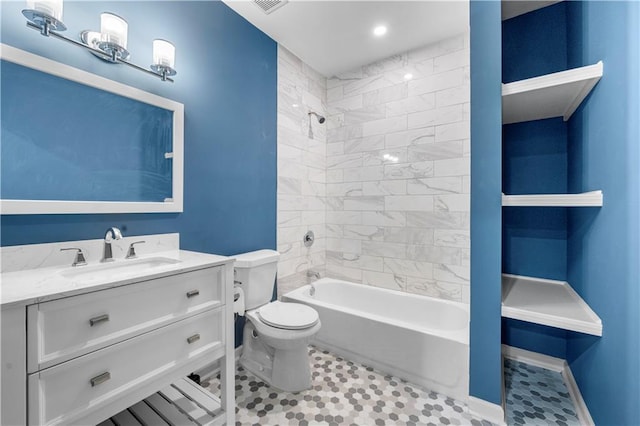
(75, 142)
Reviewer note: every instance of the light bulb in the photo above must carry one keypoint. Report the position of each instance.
(113, 29)
(52, 8)
(164, 53)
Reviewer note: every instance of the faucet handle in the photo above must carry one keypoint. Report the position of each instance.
(79, 260)
(131, 253)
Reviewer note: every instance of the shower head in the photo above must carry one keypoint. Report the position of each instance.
(320, 118)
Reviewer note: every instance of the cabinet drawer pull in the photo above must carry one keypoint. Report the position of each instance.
(98, 320)
(193, 338)
(101, 378)
(193, 293)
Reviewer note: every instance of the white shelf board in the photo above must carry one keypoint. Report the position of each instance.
(552, 95)
(547, 302)
(585, 199)
(511, 9)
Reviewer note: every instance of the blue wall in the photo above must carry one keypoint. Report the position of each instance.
(227, 82)
(486, 117)
(604, 245)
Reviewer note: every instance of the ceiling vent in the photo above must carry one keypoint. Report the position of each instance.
(269, 6)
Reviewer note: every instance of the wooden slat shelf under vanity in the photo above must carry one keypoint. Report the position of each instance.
(181, 403)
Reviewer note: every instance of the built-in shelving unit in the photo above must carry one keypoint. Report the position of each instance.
(541, 301)
(552, 95)
(585, 199)
(547, 302)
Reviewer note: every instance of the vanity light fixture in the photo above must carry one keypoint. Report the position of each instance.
(110, 44)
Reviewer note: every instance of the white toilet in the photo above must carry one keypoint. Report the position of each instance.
(276, 334)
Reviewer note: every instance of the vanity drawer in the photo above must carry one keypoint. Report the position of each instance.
(63, 394)
(67, 328)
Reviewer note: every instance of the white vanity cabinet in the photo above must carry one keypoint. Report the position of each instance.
(80, 358)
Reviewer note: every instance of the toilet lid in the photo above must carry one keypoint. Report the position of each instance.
(290, 316)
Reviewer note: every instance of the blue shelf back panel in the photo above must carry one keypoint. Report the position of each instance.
(62, 140)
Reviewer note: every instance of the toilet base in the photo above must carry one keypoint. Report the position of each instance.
(291, 371)
(284, 369)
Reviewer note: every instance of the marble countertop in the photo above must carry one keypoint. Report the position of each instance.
(25, 287)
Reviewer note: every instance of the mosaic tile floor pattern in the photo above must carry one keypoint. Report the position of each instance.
(344, 393)
(536, 396)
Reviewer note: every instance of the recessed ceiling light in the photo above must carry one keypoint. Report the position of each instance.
(408, 76)
(380, 30)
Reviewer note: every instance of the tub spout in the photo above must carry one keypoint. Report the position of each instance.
(313, 274)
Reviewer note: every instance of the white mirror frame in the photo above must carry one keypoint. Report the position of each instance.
(173, 205)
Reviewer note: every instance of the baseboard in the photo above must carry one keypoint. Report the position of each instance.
(558, 365)
(581, 407)
(534, 358)
(212, 370)
(486, 410)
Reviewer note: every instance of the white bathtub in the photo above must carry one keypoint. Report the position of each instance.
(417, 338)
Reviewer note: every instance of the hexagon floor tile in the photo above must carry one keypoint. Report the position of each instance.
(344, 393)
(536, 396)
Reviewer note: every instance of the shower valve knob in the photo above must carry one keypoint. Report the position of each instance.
(308, 239)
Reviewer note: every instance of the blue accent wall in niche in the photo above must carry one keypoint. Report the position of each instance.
(535, 161)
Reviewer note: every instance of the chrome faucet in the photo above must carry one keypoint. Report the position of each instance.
(312, 274)
(112, 234)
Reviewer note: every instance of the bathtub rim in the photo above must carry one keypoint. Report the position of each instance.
(461, 335)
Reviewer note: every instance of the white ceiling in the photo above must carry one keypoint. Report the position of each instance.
(336, 36)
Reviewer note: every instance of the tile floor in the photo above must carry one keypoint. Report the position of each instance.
(536, 396)
(344, 393)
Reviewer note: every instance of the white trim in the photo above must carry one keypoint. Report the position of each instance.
(486, 410)
(534, 358)
(581, 407)
(27, 59)
(558, 365)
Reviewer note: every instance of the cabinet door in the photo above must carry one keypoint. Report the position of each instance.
(116, 377)
(67, 328)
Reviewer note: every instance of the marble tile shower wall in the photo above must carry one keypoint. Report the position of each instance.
(301, 170)
(398, 172)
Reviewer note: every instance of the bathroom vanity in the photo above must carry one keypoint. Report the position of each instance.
(80, 344)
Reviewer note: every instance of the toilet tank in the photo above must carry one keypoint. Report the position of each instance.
(255, 273)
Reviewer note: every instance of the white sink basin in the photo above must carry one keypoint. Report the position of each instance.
(118, 268)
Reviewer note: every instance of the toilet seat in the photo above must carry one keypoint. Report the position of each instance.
(288, 316)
